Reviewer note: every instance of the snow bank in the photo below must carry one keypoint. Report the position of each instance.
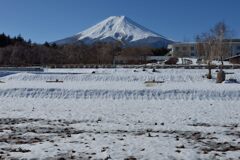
(179, 75)
(125, 84)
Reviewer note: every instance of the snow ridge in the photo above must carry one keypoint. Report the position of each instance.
(145, 94)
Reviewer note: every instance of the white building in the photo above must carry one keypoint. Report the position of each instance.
(188, 49)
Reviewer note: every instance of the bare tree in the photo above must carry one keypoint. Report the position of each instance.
(222, 36)
(212, 45)
(116, 51)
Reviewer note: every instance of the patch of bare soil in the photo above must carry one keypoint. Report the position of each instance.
(19, 131)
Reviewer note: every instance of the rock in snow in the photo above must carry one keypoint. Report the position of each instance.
(118, 28)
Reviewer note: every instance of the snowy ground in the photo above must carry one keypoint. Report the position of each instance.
(112, 114)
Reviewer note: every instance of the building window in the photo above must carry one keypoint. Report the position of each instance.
(184, 48)
(192, 48)
(177, 48)
(238, 48)
(192, 54)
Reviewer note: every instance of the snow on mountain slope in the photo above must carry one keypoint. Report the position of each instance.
(118, 28)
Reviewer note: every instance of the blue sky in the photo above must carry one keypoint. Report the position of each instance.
(49, 20)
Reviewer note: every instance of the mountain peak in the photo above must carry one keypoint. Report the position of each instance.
(117, 17)
(118, 28)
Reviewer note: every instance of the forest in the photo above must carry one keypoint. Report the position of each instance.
(16, 51)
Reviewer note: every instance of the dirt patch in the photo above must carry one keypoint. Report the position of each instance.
(17, 132)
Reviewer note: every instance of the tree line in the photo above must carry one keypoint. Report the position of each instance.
(16, 51)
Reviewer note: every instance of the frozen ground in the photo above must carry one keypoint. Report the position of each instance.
(112, 114)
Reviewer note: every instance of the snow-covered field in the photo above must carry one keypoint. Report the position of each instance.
(113, 114)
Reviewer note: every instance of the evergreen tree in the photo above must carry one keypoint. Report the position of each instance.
(46, 44)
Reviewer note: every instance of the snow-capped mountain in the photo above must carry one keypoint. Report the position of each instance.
(118, 28)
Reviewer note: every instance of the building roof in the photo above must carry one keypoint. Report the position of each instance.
(231, 40)
(235, 56)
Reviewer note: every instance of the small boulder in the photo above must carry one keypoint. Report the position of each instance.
(221, 76)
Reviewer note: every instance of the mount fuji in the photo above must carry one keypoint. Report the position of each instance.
(118, 28)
